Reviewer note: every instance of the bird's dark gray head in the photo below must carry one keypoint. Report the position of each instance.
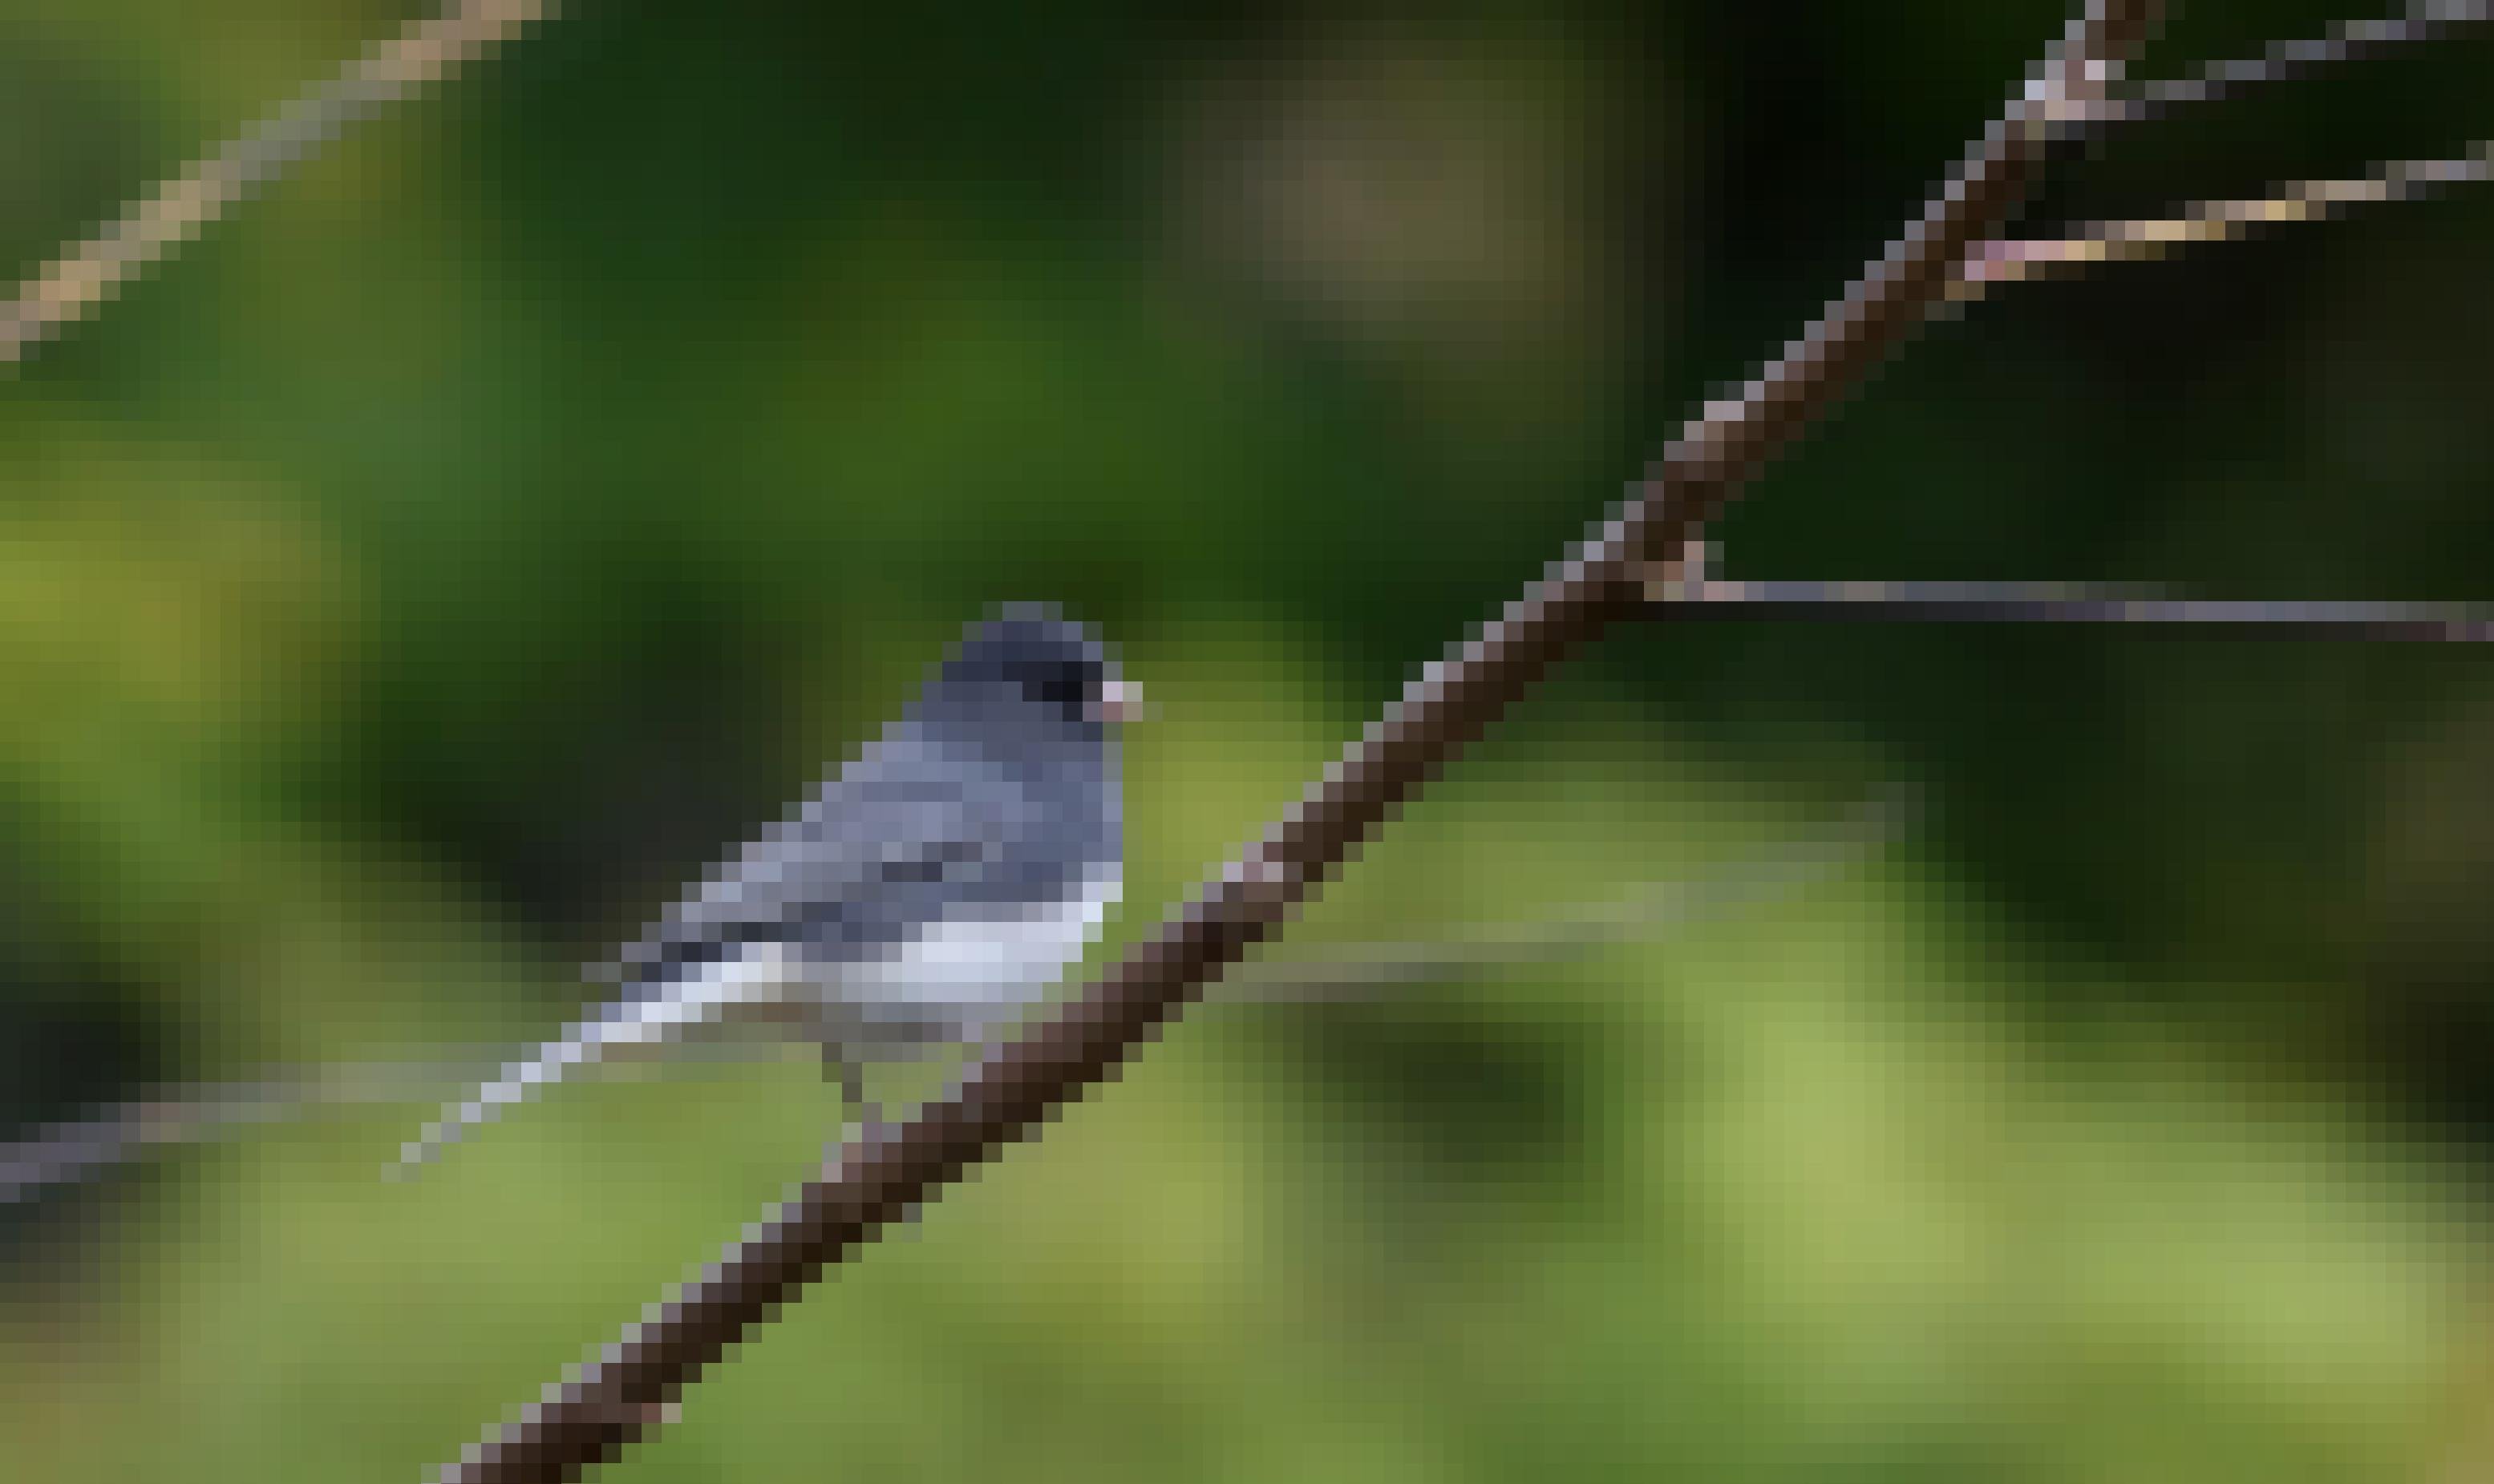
(1028, 680)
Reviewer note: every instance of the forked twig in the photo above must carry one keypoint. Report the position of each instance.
(2424, 24)
(2091, 245)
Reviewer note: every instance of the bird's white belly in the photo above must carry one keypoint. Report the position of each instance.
(967, 969)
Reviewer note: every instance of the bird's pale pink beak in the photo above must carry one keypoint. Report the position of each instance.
(1120, 700)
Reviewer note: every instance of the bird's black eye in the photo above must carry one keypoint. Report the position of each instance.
(1066, 686)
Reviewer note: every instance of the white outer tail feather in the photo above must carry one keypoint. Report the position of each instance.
(754, 980)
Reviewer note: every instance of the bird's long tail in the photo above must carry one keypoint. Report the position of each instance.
(649, 1020)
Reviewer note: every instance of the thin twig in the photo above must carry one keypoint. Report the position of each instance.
(2355, 41)
(1864, 602)
(68, 288)
(1011, 1091)
(1667, 904)
(69, 1153)
(78, 1150)
(2017, 260)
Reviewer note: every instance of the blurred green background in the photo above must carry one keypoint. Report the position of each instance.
(408, 586)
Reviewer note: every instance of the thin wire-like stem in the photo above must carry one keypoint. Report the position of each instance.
(2352, 42)
(2018, 260)
(1872, 602)
(1649, 909)
(76, 1150)
(887, 1172)
(68, 288)
(73, 1152)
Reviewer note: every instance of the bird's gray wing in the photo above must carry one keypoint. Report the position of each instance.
(871, 857)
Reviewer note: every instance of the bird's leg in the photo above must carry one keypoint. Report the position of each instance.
(840, 1067)
(849, 1074)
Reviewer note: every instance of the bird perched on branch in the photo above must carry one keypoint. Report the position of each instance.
(943, 881)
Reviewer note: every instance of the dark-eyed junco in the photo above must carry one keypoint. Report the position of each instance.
(943, 881)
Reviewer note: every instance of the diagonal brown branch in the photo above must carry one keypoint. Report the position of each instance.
(68, 288)
(887, 1172)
